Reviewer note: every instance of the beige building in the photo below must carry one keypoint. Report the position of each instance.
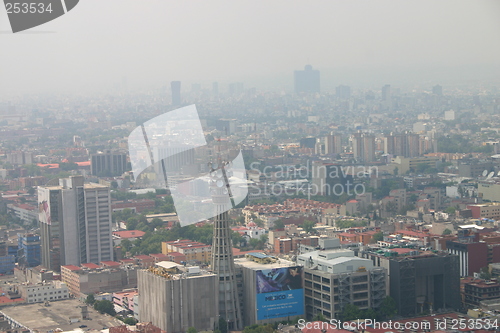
(405, 164)
(489, 190)
(192, 250)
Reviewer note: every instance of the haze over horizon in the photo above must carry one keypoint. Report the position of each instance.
(154, 42)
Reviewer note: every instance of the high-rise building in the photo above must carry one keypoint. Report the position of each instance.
(223, 261)
(28, 249)
(386, 97)
(335, 278)
(419, 281)
(307, 81)
(108, 163)
(333, 144)
(176, 92)
(343, 92)
(402, 144)
(437, 90)
(75, 223)
(363, 146)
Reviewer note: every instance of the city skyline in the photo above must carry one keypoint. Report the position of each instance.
(261, 45)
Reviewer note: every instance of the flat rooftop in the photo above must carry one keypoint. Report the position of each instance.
(44, 318)
(257, 266)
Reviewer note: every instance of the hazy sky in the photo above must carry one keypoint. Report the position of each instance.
(153, 42)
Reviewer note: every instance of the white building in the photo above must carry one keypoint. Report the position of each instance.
(42, 292)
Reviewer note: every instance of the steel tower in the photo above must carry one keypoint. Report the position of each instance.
(222, 253)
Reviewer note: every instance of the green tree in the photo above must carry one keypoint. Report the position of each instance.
(130, 321)
(222, 325)
(278, 225)
(192, 330)
(308, 225)
(319, 317)
(450, 210)
(379, 236)
(388, 308)
(350, 312)
(446, 232)
(105, 306)
(485, 273)
(90, 299)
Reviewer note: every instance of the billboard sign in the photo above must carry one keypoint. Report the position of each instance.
(44, 206)
(279, 293)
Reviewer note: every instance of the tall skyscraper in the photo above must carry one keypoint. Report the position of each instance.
(363, 146)
(343, 92)
(437, 90)
(176, 92)
(222, 254)
(75, 223)
(307, 80)
(333, 144)
(386, 97)
(402, 144)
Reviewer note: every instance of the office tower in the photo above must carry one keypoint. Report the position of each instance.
(108, 163)
(437, 90)
(307, 142)
(75, 223)
(402, 144)
(328, 179)
(386, 97)
(226, 126)
(307, 81)
(356, 281)
(28, 249)
(343, 92)
(333, 144)
(363, 146)
(419, 281)
(176, 92)
(175, 298)
(222, 254)
(215, 89)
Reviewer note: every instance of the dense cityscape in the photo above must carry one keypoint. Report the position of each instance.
(217, 167)
(362, 204)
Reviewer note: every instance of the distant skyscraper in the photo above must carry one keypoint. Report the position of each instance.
(437, 90)
(108, 163)
(75, 223)
(176, 92)
(333, 144)
(343, 92)
(307, 80)
(402, 144)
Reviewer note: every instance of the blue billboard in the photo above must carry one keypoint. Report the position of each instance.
(279, 293)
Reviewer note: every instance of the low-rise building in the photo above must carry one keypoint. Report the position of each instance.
(42, 292)
(192, 250)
